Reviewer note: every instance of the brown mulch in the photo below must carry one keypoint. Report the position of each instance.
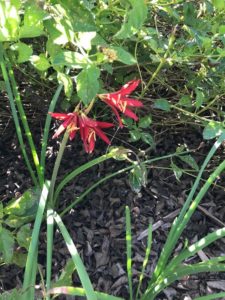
(97, 225)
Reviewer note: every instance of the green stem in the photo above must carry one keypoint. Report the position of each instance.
(162, 62)
(16, 121)
(56, 168)
(25, 124)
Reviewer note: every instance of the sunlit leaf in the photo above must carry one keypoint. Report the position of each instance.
(87, 84)
(9, 20)
(40, 62)
(67, 83)
(24, 51)
(33, 22)
(124, 56)
(71, 59)
(133, 20)
(145, 122)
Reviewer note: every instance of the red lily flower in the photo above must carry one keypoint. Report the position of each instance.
(88, 130)
(119, 100)
(70, 122)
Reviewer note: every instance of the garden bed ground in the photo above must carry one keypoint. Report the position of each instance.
(97, 225)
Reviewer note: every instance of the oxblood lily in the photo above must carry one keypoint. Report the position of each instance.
(119, 100)
(70, 122)
(89, 128)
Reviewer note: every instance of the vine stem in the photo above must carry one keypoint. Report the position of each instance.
(162, 62)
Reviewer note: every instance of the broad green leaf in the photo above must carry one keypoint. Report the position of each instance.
(138, 177)
(71, 59)
(190, 14)
(6, 245)
(87, 84)
(24, 51)
(133, 20)
(57, 32)
(212, 130)
(200, 97)
(23, 209)
(188, 159)
(17, 221)
(123, 56)
(162, 104)
(33, 22)
(19, 258)
(9, 20)
(67, 83)
(147, 138)
(24, 236)
(65, 278)
(219, 4)
(85, 39)
(185, 101)
(135, 135)
(176, 170)
(145, 122)
(11, 295)
(40, 62)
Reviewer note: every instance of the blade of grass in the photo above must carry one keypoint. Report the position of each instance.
(23, 119)
(73, 291)
(129, 251)
(147, 253)
(32, 252)
(16, 120)
(193, 249)
(180, 272)
(173, 235)
(84, 278)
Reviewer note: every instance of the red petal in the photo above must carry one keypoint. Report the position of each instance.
(59, 116)
(104, 124)
(133, 102)
(62, 127)
(128, 88)
(72, 134)
(131, 114)
(116, 113)
(101, 134)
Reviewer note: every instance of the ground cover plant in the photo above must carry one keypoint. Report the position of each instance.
(133, 66)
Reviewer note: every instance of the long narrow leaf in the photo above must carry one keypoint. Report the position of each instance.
(174, 234)
(16, 120)
(129, 251)
(211, 297)
(32, 252)
(180, 272)
(47, 126)
(147, 253)
(73, 291)
(84, 278)
(50, 227)
(23, 119)
(193, 249)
